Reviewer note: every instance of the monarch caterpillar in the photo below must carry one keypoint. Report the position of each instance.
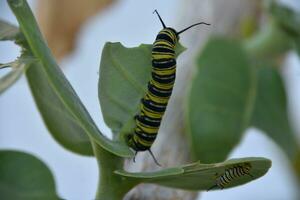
(160, 86)
(230, 174)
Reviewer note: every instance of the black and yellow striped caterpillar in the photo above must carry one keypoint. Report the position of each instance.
(230, 174)
(160, 86)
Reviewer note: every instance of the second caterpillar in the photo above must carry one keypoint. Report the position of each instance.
(160, 86)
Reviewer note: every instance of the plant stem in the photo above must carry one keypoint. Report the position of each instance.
(110, 186)
(269, 42)
(57, 79)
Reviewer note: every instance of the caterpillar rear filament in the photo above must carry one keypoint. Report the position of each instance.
(231, 174)
(160, 86)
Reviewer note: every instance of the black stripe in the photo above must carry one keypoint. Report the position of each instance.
(164, 36)
(162, 65)
(147, 121)
(165, 79)
(140, 147)
(162, 50)
(145, 136)
(163, 44)
(159, 92)
(157, 107)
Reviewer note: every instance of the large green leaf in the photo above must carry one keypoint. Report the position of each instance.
(270, 111)
(8, 31)
(124, 74)
(199, 176)
(24, 177)
(58, 81)
(58, 119)
(220, 101)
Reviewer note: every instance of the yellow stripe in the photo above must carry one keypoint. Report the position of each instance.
(169, 33)
(162, 85)
(161, 56)
(164, 42)
(164, 69)
(158, 99)
(143, 142)
(165, 72)
(151, 113)
(141, 124)
(146, 130)
(163, 45)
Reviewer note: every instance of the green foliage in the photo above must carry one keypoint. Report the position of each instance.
(197, 176)
(23, 176)
(270, 111)
(227, 95)
(59, 120)
(58, 81)
(268, 43)
(288, 19)
(220, 101)
(124, 74)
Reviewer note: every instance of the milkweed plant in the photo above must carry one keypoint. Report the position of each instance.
(239, 78)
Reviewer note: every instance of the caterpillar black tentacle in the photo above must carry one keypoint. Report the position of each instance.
(160, 87)
(231, 174)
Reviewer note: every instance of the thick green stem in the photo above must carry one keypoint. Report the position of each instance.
(110, 186)
(269, 42)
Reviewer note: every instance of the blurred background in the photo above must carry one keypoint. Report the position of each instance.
(131, 23)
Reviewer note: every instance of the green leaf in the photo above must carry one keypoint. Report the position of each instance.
(270, 111)
(58, 81)
(58, 119)
(124, 74)
(220, 101)
(199, 176)
(288, 18)
(17, 69)
(8, 31)
(23, 176)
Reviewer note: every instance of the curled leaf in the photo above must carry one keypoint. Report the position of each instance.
(197, 176)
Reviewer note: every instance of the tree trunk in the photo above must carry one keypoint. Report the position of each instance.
(171, 147)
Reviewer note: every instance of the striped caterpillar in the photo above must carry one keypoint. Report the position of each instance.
(160, 86)
(230, 174)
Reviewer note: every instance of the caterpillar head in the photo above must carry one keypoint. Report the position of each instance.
(172, 30)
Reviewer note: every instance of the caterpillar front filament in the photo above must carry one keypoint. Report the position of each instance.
(160, 86)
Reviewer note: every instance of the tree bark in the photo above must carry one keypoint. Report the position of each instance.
(171, 147)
